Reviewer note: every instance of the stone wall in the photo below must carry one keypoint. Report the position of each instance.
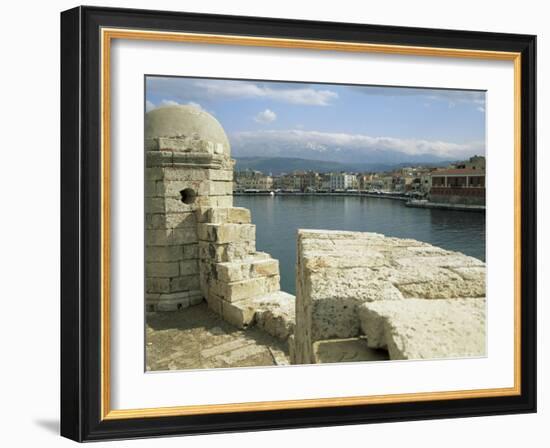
(404, 296)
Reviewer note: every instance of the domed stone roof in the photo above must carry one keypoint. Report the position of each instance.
(185, 122)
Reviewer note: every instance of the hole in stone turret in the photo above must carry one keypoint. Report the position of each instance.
(188, 195)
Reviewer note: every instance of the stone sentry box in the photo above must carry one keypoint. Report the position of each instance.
(188, 167)
(198, 246)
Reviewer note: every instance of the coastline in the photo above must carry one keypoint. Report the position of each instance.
(325, 194)
(443, 206)
(398, 197)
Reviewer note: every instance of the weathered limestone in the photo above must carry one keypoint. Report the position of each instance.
(426, 329)
(346, 350)
(188, 166)
(341, 274)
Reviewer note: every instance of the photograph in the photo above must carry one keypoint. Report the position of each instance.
(290, 223)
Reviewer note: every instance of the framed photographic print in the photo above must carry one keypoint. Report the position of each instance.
(273, 223)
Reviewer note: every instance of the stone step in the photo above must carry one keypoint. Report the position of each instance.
(247, 268)
(233, 215)
(226, 233)
(245, 289)
(276, 314)
(273, 312)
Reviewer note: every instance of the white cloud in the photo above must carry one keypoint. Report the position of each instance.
(197, 105)
(266, 116)
(165, 103)
(239, 89)
(296, 143)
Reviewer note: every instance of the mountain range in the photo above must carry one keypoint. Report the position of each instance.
(279, 165)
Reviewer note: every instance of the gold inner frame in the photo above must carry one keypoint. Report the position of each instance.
(107, 35)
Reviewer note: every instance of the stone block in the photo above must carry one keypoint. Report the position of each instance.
(215, 188)
(195, 297)
(235, 291)
(185, 174)
(211, 201)
(238, 215)
(151, 189)
(184, 283)
(202, 214)
(155, 205)
(237, 251)
(233, 215)
(441, 289)
(333, 283)
(239, 314)
(157, 285)
(173, 188)
(189, 267)
(190, 251)
(456, 260)
(170, 237)
(471, 273)
(249, 267)
(163, 253)
(346, 350)
(426, 329)
(173, 301)
(152, 174)
(265, 268)
(175, 205)
(158, 158)
(227, 233)
(173, 220)
(275, 313)
(162, 269)
(226, 175)
(214, 303)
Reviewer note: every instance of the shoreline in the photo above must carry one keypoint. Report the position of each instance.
(442, 206)
(397, 197)
(335, 194)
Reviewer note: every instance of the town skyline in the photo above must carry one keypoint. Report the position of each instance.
(329, 122)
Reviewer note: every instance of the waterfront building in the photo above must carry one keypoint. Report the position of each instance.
(425, 183)
(306, 180)
(252, 180)
(342, 181)
(324, 182)
(284, 182)
(458, 186)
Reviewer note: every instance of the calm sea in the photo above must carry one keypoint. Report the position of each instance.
(277, 219)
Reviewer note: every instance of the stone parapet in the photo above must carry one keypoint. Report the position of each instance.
(340, 275)
(447, 328)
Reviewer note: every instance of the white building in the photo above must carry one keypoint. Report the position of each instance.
(342, 181)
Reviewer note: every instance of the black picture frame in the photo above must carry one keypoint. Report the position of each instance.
(81, 224)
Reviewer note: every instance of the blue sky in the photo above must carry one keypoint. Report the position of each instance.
(328, 121)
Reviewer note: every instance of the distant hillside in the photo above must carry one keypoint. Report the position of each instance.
(278, 165)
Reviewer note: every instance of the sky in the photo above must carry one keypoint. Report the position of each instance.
(333, 122)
